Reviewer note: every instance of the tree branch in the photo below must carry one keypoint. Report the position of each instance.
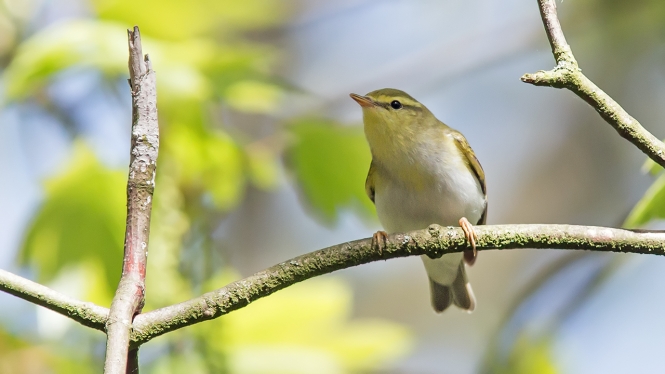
(129, 297)
(434, 242)
(568, 75)
(85, 313)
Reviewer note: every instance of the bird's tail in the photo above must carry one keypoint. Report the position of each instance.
(459, 293)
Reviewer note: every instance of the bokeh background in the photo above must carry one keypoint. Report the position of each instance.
(263, 158)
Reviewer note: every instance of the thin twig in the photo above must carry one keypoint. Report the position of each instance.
(568, 75)
(434, 242)
(129, 297)
(85, 313)
(560, 48)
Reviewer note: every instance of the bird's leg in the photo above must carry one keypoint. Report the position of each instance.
(379, 240)
(470, 234)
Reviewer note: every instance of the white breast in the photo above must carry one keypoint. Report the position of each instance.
(454, 193)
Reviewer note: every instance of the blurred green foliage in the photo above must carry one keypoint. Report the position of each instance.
(528, 356)
(620, 22)
(23, 356)
(201, 18)
(80, 43)
(208, 60)
(80, 223)
(650, 207)
(330, 163)
(635, 29)
(308, 331)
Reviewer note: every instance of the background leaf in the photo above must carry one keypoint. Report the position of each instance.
(650, 207)
(178, 22)
(309, 329)
(81, 220)
(330, 163)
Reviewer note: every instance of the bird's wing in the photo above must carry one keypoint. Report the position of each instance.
(473, 164)
(369, 182)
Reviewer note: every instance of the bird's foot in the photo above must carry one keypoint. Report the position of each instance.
(379, 240)
(470, 255)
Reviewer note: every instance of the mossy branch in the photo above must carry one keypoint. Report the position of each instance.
(434, 242)
(567, 74)
(85, 313)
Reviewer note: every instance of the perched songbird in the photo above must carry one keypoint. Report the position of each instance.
(424, 172)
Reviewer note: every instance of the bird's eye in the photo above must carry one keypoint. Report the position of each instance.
(396, 104)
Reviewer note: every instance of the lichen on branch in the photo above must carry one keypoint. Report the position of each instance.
(567, 74)
(434, 242)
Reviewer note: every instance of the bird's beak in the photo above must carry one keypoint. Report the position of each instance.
(364, 101)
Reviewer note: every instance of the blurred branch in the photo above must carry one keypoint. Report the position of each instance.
(133, 361)
(567, 74)
(85, 313)
(434, 242)
(129, 297)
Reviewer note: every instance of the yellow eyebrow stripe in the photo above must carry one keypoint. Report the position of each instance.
(404, 100)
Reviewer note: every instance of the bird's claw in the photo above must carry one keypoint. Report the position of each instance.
(470, 255)
(379, 240)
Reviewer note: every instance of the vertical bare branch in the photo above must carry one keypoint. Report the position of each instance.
(568, 75)
(560, 48)
(129, 297)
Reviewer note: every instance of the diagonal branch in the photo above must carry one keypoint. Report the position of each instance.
(85, 313)
(434, 242)
(129, 297)
(568, 75)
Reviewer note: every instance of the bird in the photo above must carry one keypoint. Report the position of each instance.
(423, 172)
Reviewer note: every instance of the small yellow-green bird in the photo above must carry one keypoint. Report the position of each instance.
(424, 172)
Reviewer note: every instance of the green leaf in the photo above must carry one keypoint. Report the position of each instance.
(81, 221)
(330, 163)
(651, 206)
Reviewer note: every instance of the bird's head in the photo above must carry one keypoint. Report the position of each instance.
(393, 118)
